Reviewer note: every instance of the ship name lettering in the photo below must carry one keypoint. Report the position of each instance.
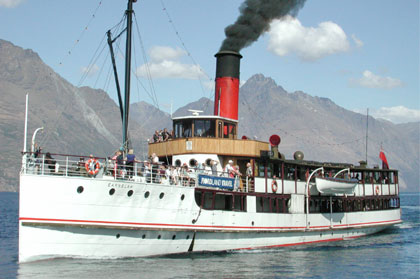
(119, 185)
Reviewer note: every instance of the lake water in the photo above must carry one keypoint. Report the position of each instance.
(393, 253)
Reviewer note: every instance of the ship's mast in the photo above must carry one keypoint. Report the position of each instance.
(129, 13)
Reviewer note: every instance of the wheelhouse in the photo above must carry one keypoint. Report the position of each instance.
(205, 126)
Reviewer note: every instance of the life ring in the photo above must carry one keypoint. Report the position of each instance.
(274, 186)
(95, 164)
(377, 190)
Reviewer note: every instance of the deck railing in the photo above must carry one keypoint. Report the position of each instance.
(108, 169)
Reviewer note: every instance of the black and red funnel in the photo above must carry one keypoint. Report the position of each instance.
(227, 84)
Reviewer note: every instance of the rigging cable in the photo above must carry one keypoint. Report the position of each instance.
(146, 63)
(69, 52)
(211, 95)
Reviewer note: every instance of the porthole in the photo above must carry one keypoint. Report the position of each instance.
(146, 195)
(188, 236)
(130, 193)
(208, 162)
(111, 192)
(80, 189)
(161, 195)
(182, 197)
(159, 236)
(117, 236)
(252, 223)
(192, 162)
(143, 236)
(173, 237)
(178, 163)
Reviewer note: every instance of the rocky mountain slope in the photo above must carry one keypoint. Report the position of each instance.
(84, 121)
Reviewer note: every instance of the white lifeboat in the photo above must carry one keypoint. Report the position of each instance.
(333, 185)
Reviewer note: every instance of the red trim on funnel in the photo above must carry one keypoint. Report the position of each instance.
(228, 89)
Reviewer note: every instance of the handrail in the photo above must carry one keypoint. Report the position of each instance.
(111, 170)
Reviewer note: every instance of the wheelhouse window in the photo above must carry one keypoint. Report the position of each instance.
(183, 129)
(229, 130)
(204, 128)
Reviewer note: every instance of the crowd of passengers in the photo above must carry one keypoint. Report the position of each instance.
(123, 168)
(162, 135)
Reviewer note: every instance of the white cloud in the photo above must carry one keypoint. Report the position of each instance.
(358, 42)
(397, 114)
(372, 80)
(161, 53)
(308, 43)
(165, 64)
(90, 70)
(10, 3)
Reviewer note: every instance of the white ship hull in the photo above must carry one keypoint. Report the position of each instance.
(57, 221)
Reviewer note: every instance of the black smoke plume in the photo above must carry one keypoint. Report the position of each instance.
(255, 19)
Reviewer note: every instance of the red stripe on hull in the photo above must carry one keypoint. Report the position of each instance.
(196, 226)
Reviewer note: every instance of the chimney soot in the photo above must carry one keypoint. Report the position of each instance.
(227, 84)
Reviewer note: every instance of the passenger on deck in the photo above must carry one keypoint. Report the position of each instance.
(199, 168)
(49, 162)
(185, 178)
(238, 179)
(213, 165)
(229, 170)
(166, 135)
(37, 151)
(130, 159)
(120, 163)
(155, 166)
(156, 136)
(248, 170)
(175, 174)
(147, 171)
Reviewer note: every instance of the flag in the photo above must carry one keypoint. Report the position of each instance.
(384, 161)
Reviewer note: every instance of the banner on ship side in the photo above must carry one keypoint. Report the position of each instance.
(216, 181)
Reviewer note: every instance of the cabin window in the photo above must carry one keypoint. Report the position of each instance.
(183, 129)
(261, 170)
(272, 204)
(289, 172)
(178, 130)
(263, 204)
(220, 129)
(220, 200)
(229, 130)
(223, 202)
(276, 170)
(377, 177)
(269, 170)
(204, 128)
(208, 200)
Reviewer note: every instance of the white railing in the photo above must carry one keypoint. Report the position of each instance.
(103, 168)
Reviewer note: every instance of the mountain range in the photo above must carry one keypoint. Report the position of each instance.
(82, 120)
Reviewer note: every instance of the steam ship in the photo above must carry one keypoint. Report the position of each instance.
(97, 210)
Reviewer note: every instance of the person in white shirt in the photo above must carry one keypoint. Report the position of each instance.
(229, 170)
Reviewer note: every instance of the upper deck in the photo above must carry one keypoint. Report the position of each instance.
(207, 135)
(220, 146)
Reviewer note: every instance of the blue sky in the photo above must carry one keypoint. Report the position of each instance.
(360, 54)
